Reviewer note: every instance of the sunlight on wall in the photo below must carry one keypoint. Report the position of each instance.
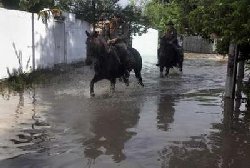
(147, 45)
(55, 42)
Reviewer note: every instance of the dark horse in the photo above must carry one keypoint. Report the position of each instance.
(107, 65)
(168, 56)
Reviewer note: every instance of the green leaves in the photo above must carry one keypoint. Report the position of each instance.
(35, 6)
(227, 18)
(159, 14)
(10, 4)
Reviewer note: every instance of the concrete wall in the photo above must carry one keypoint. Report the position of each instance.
(55, 42)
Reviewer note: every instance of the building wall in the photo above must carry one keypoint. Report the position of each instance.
(55, 42)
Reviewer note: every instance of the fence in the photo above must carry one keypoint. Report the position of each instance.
(55, 42)
(198, 45)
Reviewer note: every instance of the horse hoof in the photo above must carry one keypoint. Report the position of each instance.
(92, 94)
(126, 81)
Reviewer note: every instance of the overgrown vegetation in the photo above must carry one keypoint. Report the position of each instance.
(19, 81)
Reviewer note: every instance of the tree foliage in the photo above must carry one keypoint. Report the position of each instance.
(35, 6)
(10, 4)
(228, 20)
(159, 14)
(96, 10)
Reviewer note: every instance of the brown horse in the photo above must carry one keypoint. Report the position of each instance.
(107, 64)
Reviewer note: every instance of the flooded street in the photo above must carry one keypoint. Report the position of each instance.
(175, 122)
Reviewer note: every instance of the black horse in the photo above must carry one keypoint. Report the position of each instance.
(168, 56)
(106, 62)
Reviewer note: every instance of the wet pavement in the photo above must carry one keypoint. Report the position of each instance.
(175, 122)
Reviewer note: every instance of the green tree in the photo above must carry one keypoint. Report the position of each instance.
(90, 10)
(35, 6)
(10, 4)
(95, 10)
(159, 13)
(227, 18)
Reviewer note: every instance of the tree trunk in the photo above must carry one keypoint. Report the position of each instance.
(231, 72)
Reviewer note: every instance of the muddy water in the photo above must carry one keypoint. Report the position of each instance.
(177, 122)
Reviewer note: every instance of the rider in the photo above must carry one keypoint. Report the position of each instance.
(171, 38)
(119, 37)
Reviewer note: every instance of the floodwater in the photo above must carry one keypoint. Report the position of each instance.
(177, 122)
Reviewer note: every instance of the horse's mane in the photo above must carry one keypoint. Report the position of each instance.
(101, 50)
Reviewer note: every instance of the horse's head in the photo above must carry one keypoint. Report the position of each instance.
(96, 46)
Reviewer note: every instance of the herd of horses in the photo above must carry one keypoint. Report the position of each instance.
(107, 66)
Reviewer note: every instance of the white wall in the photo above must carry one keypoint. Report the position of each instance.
(54, 42)
(76, 38)
(14, 28)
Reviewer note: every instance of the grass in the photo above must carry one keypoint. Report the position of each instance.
(18, 81)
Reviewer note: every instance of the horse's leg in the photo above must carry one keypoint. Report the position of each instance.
(125, 79)
(112, 85)
(92, 83)
(180, 66)
(167, 71)
(181, 62)
(161, 71)
(138, 76)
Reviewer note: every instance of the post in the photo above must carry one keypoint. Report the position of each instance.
(228, 114)
(231, 72)
(240, 76)
(33, 43)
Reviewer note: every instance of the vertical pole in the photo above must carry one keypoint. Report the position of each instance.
(33, 43)
(65, 42)
(235, 69)
(231, 70)
(239, 84)
(94, 14)
(240, 76)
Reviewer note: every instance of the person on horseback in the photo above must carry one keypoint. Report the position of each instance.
(170, 37)
(119, 37)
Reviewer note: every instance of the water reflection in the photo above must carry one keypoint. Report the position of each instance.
(111, 132)
(19, 116)
(225, 146)
(165, 112)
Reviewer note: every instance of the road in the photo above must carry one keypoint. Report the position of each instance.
(175, 122)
